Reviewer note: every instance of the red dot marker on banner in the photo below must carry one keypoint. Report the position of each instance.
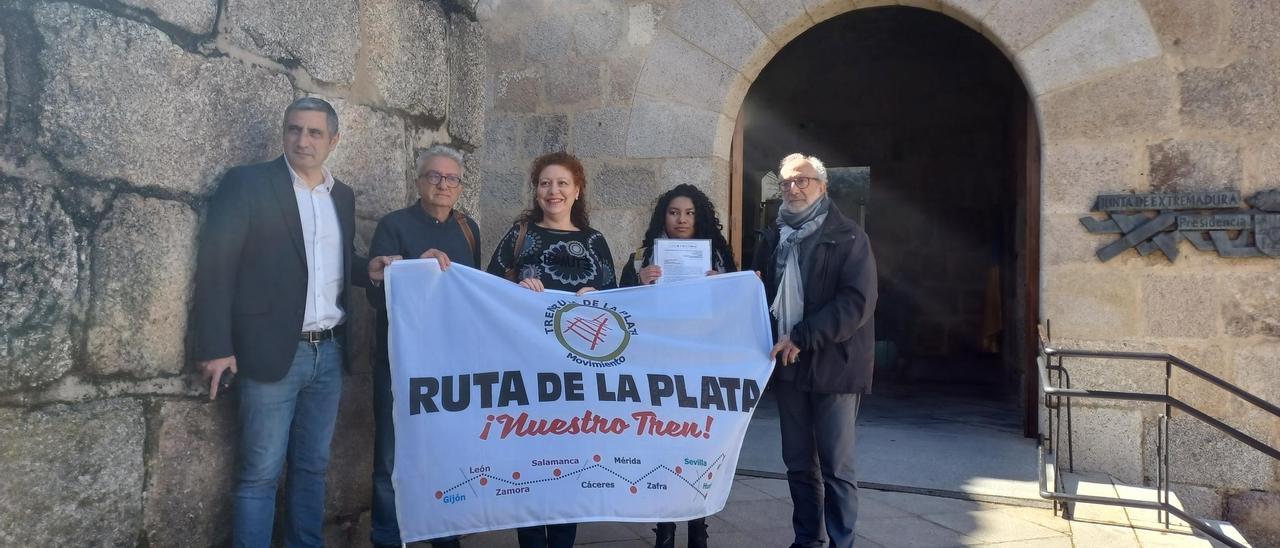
(596, 458)
(556, 472)
(633, 489)
(515, 475)
(708, 475)
(484, 481)
(439, 494)
(679, 470)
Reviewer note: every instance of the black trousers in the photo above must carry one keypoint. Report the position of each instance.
(666, 534)
(548, 536)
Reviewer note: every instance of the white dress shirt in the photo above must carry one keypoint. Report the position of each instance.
(322, 238)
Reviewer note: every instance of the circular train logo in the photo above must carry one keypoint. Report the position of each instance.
(595, 334)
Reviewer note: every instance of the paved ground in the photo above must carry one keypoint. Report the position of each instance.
(759, 511)
(920, 442)
(923, 440)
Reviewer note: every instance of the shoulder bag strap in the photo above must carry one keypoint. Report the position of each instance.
(466, 232)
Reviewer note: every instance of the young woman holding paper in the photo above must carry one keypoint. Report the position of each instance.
(683, 212)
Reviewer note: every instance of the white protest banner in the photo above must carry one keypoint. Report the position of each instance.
(517, 408)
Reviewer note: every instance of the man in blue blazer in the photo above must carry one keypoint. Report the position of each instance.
(273, 289)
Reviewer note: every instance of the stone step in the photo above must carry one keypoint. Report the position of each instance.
(1146, 523)
(1229, 530)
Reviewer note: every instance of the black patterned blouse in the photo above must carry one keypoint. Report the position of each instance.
(563, 260)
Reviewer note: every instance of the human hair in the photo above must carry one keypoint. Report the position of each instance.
(706, 224)
(439, 151)
(817, 164)
(314, 104)
(578, 214)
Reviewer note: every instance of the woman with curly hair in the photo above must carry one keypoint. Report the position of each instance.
(552, 244)
(683, 212)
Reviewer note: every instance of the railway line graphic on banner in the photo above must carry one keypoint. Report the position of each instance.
(515, 485)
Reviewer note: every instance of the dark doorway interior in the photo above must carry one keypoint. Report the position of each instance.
(941, 119)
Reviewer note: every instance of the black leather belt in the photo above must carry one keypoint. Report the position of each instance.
(322, 335)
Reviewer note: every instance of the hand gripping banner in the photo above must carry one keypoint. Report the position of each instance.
(517, 408)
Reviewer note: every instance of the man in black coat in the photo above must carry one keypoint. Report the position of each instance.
(273, 285)
(820, 278)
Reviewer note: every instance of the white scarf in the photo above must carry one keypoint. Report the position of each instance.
(788, 304)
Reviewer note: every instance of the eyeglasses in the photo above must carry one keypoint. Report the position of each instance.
(437, 178)
(801, 182)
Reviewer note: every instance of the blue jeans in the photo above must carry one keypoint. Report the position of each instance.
(291, 417)
(385, 528)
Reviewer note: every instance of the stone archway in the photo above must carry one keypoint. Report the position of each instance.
(706, 54)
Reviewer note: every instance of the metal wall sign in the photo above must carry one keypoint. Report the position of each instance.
(1188, 200)
(1211, 221)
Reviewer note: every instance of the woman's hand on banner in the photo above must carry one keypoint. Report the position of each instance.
(532, 284)
(585, 290)
(438, 255)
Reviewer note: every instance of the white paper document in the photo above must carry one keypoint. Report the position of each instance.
(682, 259)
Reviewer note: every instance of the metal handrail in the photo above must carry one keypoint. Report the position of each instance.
(1175, 361)
(1172, 401)
(1054, 395)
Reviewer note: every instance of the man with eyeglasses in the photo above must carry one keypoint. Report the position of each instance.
(428, 229)
(820, 278)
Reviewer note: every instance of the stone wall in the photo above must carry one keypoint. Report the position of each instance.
(1131, 95)
(572, 75)
(1189, 118)
(119, 118)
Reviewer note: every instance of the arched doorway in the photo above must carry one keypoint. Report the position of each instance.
(941, 119)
